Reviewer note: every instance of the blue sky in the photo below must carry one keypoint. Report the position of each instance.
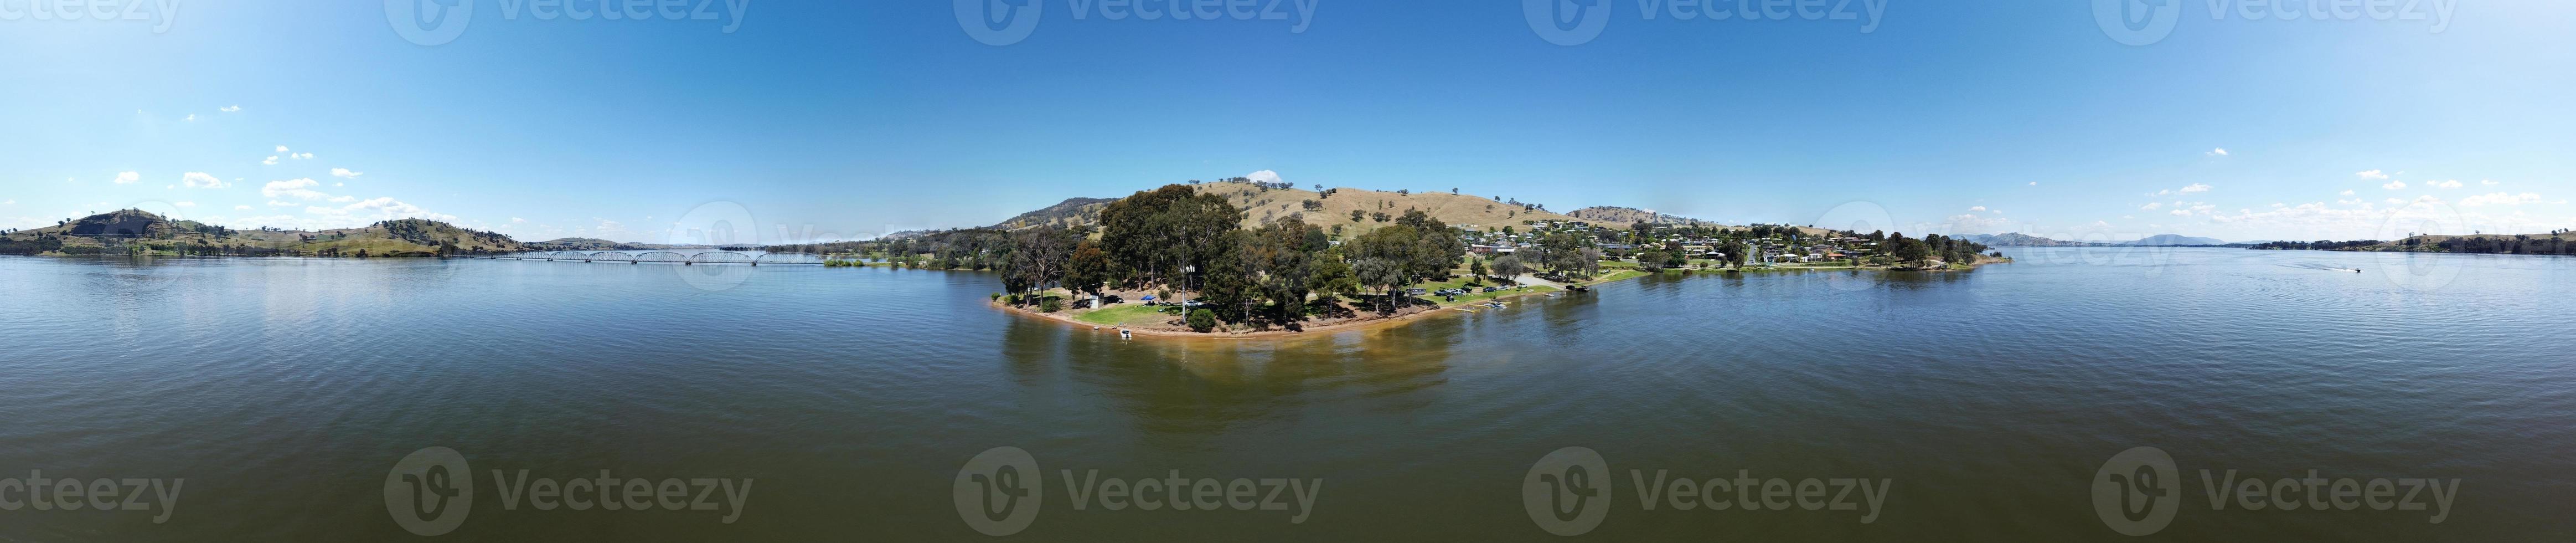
(848, 119)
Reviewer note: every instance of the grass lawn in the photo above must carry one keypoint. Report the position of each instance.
(1125, 315)
(1618, 275)
(1471, 297)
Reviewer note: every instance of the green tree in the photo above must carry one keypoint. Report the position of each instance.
(1202, 320)
(1508, 267)
(1087, 269)
(1381, 274)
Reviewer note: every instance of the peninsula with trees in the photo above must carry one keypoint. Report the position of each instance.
(1243, 258)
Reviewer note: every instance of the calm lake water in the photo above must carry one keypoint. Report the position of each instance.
(283, 391)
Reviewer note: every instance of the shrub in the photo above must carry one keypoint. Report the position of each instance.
(1202, 320)
(1050, 304)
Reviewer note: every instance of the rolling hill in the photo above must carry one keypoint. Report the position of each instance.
(2174, 239)
(1631, 216)
(1264, 204)
(2017, 239)
(127, 228)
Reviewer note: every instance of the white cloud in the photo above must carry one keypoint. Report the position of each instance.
(192, 117)
(2152, 206)
(2394, 201)
(2447, 184)
(9, 203)
(2034, 183)
(281, 148)
(2165, 192)
(2180, 212)
(300, 156)
(2372, 174)
(2347, 192)
(272, 161)
(2222, 151)
(343, 199)
(516, 220)
(2500, 199)
(1263, 176)
(382, 208)
(2393, 185)
(2194, 187)
(125, 178)
(345, 173)
(229, 109)
(1977, 208)
(241, 208)
(2487, 182)
(301, 189)
(199, 180)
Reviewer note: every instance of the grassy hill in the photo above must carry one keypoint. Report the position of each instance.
(1070, 212)
(1631, 216)
(129, 230)
(1263, 205)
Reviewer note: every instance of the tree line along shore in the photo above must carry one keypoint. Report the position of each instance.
(1178, 259)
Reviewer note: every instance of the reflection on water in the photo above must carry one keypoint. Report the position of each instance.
(283, 389)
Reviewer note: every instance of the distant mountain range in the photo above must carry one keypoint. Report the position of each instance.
(2015, 239)
(596, 244)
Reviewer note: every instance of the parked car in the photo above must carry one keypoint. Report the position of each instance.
(1491, 289)
(1415, 292)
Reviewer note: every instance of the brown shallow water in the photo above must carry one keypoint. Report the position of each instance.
(284, 392)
